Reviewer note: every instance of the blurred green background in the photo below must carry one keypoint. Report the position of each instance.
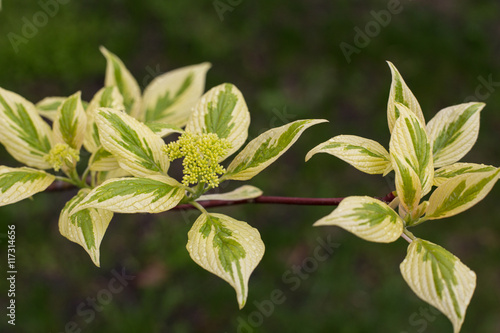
(286, 59)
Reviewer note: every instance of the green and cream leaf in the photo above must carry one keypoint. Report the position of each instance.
(48, 106)
(228, 248)
(453, 131)
(365, 155)
(17, 184)
(154, 194)
(440, 279)
(164, 130)
(86, 227)
(367, 218)
(170, 97)
(400, 93)
(118, 75)
(267, 148)
(409, 143)
(136, 148)
(107, 97)
(241, 193)
(25, 135)
(223, 111)
(408, 185)
(460, 193)
(445, 173)
(102, 176)
(71, 122)
(102, 160)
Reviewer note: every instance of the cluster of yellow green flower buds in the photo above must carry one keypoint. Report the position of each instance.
(202, 153)
(62, 156)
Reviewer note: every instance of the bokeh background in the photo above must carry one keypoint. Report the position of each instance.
(285, 57)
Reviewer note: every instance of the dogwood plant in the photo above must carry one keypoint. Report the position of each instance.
(127, 172)
(129, 163)
(422, 156)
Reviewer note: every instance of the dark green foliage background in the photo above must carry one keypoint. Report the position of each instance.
(285, 58)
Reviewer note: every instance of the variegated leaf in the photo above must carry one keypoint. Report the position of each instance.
(409, 143)
(48, 106)
(365, 155)
(170, 97)
(223, 111)
(400, 93)
(267, 148)
(154, 194)
(164, 130)
(443, 174)
(367, 218)
(408, 185)
(23, 132)
(102, 176)
(118, 75)
(440, 279)
(460, 193)
(137, 149)
(107, 97)
(71, 122)
(453, 131)
(17, 184)
(228, 248)
(102, 160)
(86, 227)
(241, 193)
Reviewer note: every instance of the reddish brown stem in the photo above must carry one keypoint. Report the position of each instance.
(263, 199)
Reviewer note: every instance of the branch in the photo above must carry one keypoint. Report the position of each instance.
(59, 185)
(263, 199)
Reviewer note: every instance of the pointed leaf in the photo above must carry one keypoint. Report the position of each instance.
(107, 97)
(71, 122)
(17, 184)
(228, 248)
(222, 110)
(440, 279)
(23, 132)
(154, 194)
(137, 149)
(86, 227)
(367, 218)
(365, 155)
(408, 185)
(400, 93)
(102, 160)
(170, 97)
(48, 106)
(443, 174)
(460, 193)
(241, 193)
(266, 148)
(409, 143)
(102, 176)
(118, 75)
(453, 131)
(164, 130)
